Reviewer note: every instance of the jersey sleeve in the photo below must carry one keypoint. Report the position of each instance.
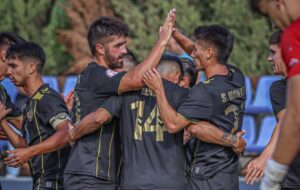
(278, 96)
(290, 47)
(197, 106)
(105, 81)
(53, 110)
(113, 105)
(15, 111)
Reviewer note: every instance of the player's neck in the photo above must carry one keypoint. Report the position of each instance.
(101, 61)
(216, 69)
(32, 85)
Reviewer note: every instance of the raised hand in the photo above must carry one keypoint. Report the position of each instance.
(166, 30)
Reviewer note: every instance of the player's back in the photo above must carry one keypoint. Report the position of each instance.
(152, 157)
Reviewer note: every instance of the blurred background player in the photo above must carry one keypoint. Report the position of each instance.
(286, 16)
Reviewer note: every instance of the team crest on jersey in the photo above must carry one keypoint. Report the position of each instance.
(111, 73)
(30, 115)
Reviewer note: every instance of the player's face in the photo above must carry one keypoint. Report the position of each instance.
(17, 72)
(199, 54)
(276, 60)
(3, 64)
(276, 11)
(115, 52)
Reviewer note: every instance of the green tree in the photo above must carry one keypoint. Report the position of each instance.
(37, 21)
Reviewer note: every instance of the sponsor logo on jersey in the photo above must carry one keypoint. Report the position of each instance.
(111, 73)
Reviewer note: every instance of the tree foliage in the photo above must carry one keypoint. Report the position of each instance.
(60, 26)
(37, 21)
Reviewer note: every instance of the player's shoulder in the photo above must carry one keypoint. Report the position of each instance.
(172, 87)
(278, 85)
(47, 95)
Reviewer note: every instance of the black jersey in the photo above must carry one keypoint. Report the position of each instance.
(97, 154)
(278, 100)
(5, 99)
(152, 157)
(221, 101)
(42, 110)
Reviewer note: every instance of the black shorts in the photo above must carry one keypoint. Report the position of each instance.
(220, 181)
(85, 182)
(48, 183)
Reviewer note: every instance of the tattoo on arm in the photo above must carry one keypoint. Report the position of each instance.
(228, 139)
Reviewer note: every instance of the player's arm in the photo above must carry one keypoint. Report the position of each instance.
(15, 139)
(133, 79)
(255, 168)
(172, 120)
(183, 41)
(209, 133)
(89, 124)
(58, 140)
(96, 119)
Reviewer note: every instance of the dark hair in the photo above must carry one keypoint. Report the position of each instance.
(275, 38)
(189, 69)
(131, 57)
(9, 38)
(217, 36)
(104, 28)
(254, 7)
(28, 51)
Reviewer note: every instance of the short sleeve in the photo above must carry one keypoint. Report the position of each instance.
(105, 81)
(175, 94)
(15, 111)
(197, 106)
(113, 105)
(278, 96)
(52, 108)
(290, 47)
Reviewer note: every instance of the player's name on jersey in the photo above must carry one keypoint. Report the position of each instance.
(147, 92)
(233, 94)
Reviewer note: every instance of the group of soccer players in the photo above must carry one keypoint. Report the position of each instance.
(141, 129)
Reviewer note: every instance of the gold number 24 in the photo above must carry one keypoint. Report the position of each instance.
(147, 126)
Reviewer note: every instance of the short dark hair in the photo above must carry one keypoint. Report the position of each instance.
(28, 51)
(275, 38)
(131, 57)
(217, 36)
(104, 28)
(189, 69)
(172, 58)
(10, 38)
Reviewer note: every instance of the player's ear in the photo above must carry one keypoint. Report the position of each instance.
(210, 53)
(3, 55)
(30, 68)
(100, 49)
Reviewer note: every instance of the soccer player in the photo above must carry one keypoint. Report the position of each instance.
(190, 73)
(278, 97)
(152, 157)
(95, 158)
(219, 100)
(45, 123)
(7, 39)
(286, 15)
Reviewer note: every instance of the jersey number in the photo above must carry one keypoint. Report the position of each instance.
(147, 126)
